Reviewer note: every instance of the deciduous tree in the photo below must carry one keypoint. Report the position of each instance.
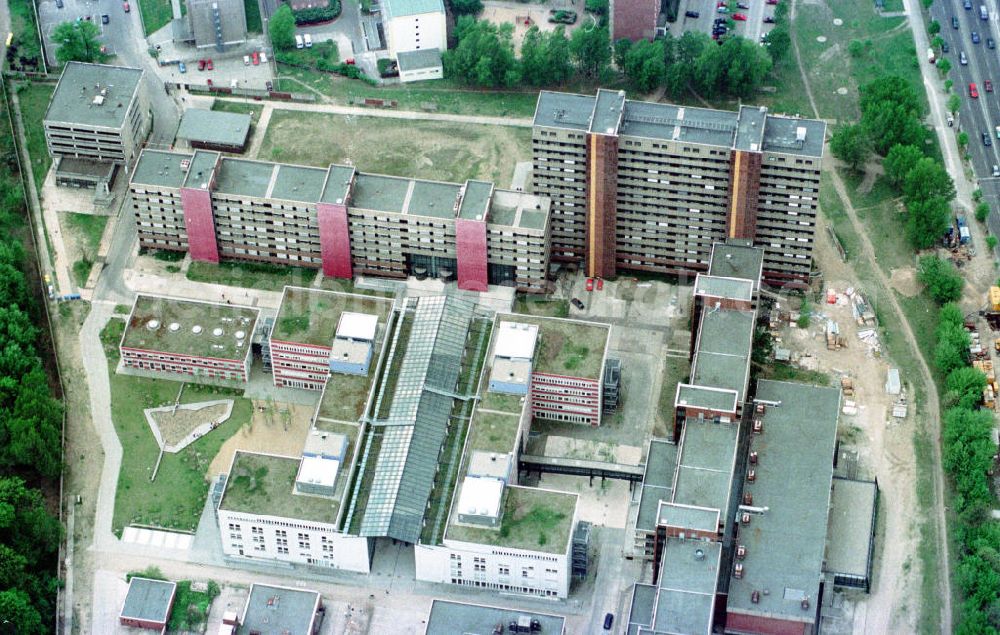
(78, 42)
(591, 48)
(281, 28)
(850, 145)
(941, 279)
(899, 161)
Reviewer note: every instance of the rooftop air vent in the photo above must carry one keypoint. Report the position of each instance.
(174, 327)
(217, 331)
(805, 604)
(699, 554)
(196, 329)
(800, 134)
(240, 334)
(153, 324)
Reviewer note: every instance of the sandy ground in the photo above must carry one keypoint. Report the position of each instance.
(175, 426)
(535, 14)
(905, 281)
(266, 433)
(571, 448)
(885, 450)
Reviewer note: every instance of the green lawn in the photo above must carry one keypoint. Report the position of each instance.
(541, 305)
(34, 99)
(438, 150)
(784, 372)
(263, 277)
(252, 10)
(22, 18)
(675, 370)
(156, 14)
(235, 106)
(81, 271)
(87, 229)
(175, 500)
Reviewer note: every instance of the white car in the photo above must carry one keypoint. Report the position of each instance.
(246, 60)
(263, 57)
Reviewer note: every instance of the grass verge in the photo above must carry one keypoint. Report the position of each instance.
(87, 229)
(33, 99)
(156, 14)
(238, 107)
(252, 10)
(263, 277)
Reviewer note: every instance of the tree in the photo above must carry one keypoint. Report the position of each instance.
(466, 7)
(947, 85)
(952, 348)
(927, 179)
(934, 27)
(937, 42)
(805, 314)
(622, 47)
(597, 7)
(850, 145)
(941, 279)
(545, 57)
(778, 42)
(645, 65)
(927, 221)
(964, 387)
(484, 55)
(591, 48)
(982, 212)
(78, 42)
(963, 139)
(991, 242)
(856, 48)
(17, 610)
(899, 161)
(745, 65)
(281, 28)
(954, 103)
(944, 65)
(890, 113)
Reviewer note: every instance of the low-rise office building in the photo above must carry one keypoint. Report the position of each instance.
(416, 66)
(148, 604)
(651, 187)
(204, 129)
(274, 610)
(213, 23)
(188, 339)
(345, 222)
(448, 617)
(96, 121)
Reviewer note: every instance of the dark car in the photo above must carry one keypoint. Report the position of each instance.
(944, 47)
(967, 4)
(105, 18)
(975, 37)
(990, 43)
(576, 302)
(609, 619)
(768, 20)
(954, 22)
(986, 139)
(692, 14)
(59, 4)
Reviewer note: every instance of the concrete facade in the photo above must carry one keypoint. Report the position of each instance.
(681, 179)
(414, 25)
(345, 222)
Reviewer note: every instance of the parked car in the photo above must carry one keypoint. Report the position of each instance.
(59, 4)
(263, 57)
(125, 6)
(590, 284)
(973, 91)
(308, 39)
(600, 284)
(246, 60)
(742, 5)
(975, 37)
(772, 1)
(255, 57)
(722, 10)
(997, 128)
(692, 14)
(609, 619)
(299, 43)
(954, 22)
(990, 44)
(768, 19)
(996, 170)
(967, 4)
(988, 85)
(962, 59)
(181, 67)
(576, 302)
(208, 64)
(739, 17)
(269, 85)
(986, 139)
(105, 18)
(350, 61)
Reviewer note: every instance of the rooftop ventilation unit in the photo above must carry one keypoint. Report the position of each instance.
(185, 164)
(196, 329)
(800, 134)
(699, 554)
(152, 325)
(174, 327)
(217, 331)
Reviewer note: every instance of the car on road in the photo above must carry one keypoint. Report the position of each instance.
(742, 5)
(263, 57)
(973, 91)
(692, 14)
(990, 44)
(997, 128)
(590, 284)
(576, 302)
(768, 19)
(201, 65)
(127, 8)
(181, 67)
(975, 37)
(105, 18)
(996, 170)
(954, 22)
(609, 619)
(246, 60)
(986, 139)
(962, 59)
(988, 85)
(208, 64)
(739, 17)
(967, 4)
(944, 47)
(255, 56)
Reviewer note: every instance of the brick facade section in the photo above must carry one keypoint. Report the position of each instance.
(470, 253)
(758, 624)
(199, 222)
(552, 396)
(602, 195)
(334, 240)
(634, 19)
(743, 192)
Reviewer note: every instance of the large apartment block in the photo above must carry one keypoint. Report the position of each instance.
(341, 220)
(651, 187)
(97, 120)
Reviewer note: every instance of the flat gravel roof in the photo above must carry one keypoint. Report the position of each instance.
(78, 97)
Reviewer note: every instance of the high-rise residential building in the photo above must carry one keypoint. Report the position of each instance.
(341, 220)
(96, 121)
(651, 187)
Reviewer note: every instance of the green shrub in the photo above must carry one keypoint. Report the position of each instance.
(317, 14)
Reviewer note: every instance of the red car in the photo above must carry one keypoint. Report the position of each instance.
(201, 65)
(988, 85)
(590, 284)
(740, 17)
(255, 57)
(772, 1)
(126, 7)
(208, 64)
(600, 284)
(350, 61)
(973, 91)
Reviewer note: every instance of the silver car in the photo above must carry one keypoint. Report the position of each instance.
(962, 59)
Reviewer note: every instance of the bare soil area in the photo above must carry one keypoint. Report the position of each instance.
(524, 16)
(905, 281)
(175, 426)
(272, 432)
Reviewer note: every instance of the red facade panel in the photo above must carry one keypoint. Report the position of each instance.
(199, 222)
(634, 19)
(602, 195)
(334, 240)
(470, 252)
(758, 624)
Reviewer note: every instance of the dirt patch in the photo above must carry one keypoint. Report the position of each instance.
(873, 170)
(436, 150)
(175, 426)
(525, 16)
(280, 428)
(905, 281)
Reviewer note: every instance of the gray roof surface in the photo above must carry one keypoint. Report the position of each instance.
(657, 482)
(779, 136)
(733, 260)
(607, 117)
(203, 164)
(401, 8)
(688, 517)
(432, 198)
(679, 123)
(689, 573)
(73, 99)
(785, 545)
(641, 608)
(705, 465)
(728, 288)
(160, 169)
(148, 599)
(214, 126)
(273, 610)
(244, 178)
(709, 398)
(297, 183)
(750, 128)
(380, 193)
(476, 201)
(338, 183)
(449, 618)
(564, 110)
(722, 359)
(419, 59)
(852, 512)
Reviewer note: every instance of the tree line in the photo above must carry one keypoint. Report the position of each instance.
(484, 56)
(30, 427)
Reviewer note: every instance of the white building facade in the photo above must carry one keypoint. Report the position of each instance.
(414, 25)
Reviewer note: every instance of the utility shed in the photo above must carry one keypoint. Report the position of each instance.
(415, 66)
(850, 540)
(148, 603)
(892, 383)
(215, 130)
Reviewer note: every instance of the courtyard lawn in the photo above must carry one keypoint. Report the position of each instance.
(33, 99)
(263, 277)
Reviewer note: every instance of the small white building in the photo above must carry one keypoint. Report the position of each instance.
(512, 358)
(414, 25)
(415, 66)
(351, 351)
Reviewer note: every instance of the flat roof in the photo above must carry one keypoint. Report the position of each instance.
(276, 610)
(735, 260)
(380, 193)
(722, 357)
(685, 599)
(448, 618)
(160, 169)
(852, 519)
(518, 209)
(688, 517)
(564, 110)
(418, 60)
(339, 182)
(726, 288)
(264, 484)
(567, 347)
(311, 316)
(476, 200)
(750, 128)
(243, 177)
(148, 599)
(515, 340)
(792, 135)
(705, 465)
(493, 432)
(708, 398)
(357, 326)
(214, 126)
(432, 198)
(533, 519)
(401, 8)
(667, 122)
(298, 183)
(93, 94)
(608, 109)
(344, 396)
(188, 327)
(640, 612)
(204, 165)
(794, 471)
(657, 482)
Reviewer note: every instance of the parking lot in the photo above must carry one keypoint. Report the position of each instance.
(752, 28)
